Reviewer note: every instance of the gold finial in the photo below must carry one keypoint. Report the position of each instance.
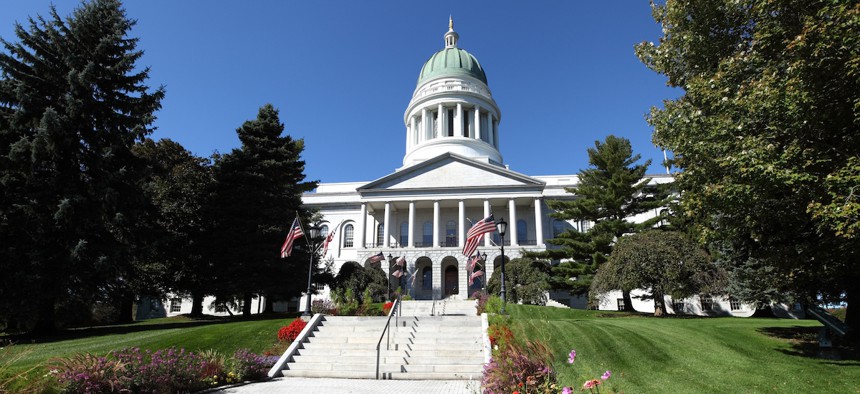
(450, 22)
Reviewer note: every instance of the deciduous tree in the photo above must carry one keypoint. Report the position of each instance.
(766, 138)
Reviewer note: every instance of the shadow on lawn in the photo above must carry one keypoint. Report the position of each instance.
(139, 326)
(804, 343)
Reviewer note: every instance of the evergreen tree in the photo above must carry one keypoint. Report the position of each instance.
(72, 104)
(179, 188)
(526, 281)
(767, 137)
(609, 192)
(258, 190)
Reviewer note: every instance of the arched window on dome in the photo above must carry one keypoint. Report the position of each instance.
(347, 236)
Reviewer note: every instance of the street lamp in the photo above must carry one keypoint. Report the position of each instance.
(502, 227)
(388, 277)
(313, 233)
(484, 281)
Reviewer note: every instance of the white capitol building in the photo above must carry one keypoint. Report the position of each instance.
(453, 174)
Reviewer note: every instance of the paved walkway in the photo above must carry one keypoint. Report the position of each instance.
(357, 386)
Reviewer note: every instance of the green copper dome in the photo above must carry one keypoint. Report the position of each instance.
(451, 62)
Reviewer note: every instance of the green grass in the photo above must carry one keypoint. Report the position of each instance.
(223, 335)
(686, 355)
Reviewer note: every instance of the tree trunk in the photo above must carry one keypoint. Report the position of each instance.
(270, 306)
(126, 308)
(246, 304)
(659, 304)
(851, 319)
(196, 304)
(45, 317)
(628, 302)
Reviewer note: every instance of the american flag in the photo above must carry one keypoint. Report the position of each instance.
(474, 275)
(295, 232)
(328, 240)
(474, 260)
(377, 258)
(401, 261)
(473, 237)
(398, 273)
(414, 274)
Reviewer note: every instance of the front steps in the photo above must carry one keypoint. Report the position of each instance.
(447, 346)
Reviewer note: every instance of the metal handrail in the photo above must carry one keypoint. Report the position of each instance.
(385, 330)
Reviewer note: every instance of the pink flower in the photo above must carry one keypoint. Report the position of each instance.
(589, 384)
(571, 357)
(567, 390)
(606, 375)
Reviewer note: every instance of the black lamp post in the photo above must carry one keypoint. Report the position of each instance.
(502, 227)
(484, 262)
(388, 277)
(313, 233)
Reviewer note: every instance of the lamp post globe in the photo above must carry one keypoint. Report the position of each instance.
(502, 228)
(313, 233)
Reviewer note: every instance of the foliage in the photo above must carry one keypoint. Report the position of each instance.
(592, 385)
(249, 366)
(526, 281)
(257, 195)
(73, 219)
(180, 188)
(345, 300)
(514, 367)
(766, 138)
(361, 280)
(609, 192)
(481, 298)
(666, 262)
(494, 305)
(386, 307)
(323, 306)
(290, 332)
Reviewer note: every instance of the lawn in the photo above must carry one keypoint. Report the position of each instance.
(223, 335)
(687, 355)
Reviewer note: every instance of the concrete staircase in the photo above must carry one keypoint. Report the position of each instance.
(447, 345)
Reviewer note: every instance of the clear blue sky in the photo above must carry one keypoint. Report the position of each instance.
(342, 72)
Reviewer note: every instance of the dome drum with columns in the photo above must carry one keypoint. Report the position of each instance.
(453, 174)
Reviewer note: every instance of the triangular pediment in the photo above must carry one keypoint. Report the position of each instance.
(451, 171)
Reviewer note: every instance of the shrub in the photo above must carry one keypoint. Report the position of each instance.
(86, 373)
(524, 369)
(291, 332)
(481, 299)
(386, 307)
(249, 366)
(323, 306)
(493, 305)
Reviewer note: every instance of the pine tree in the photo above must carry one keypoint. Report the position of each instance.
(72, 104)
(609, 192)
(257, 194)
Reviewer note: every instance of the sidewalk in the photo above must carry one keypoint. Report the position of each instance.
(357, 386)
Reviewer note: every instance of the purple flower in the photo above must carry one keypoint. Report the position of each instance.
(571, 357)
(606, 375)
(567, 390)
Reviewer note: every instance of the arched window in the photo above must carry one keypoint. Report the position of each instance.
(451, 233)
(557, 228)
(347, 236)
(522, 231)
(324, 231)
(380, 234)
(426, 278)
(404, 234)
(427, 237)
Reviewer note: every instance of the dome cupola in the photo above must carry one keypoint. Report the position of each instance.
(452, 109)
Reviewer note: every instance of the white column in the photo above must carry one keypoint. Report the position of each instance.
(424, 126)
(435, 225)
(461, 223)
(385, 222)
(408, 136)
(512, 226)
(440, 123)
(411, 224)
(413, 134)
(487, 237)
(538, 222)
(362, 225)
(478, 123)
(458, 121)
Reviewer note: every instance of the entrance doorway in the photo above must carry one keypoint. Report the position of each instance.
(451, 281)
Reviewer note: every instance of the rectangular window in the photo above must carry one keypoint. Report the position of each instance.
(620, 303)
(450, 123)
(220, 308)
(466, 129)
(707, 302)
(434, 124)
(347, 236)
(175, 305)
(678, 306)
(735, 304)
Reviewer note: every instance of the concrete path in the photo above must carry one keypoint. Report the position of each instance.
(357, 386)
